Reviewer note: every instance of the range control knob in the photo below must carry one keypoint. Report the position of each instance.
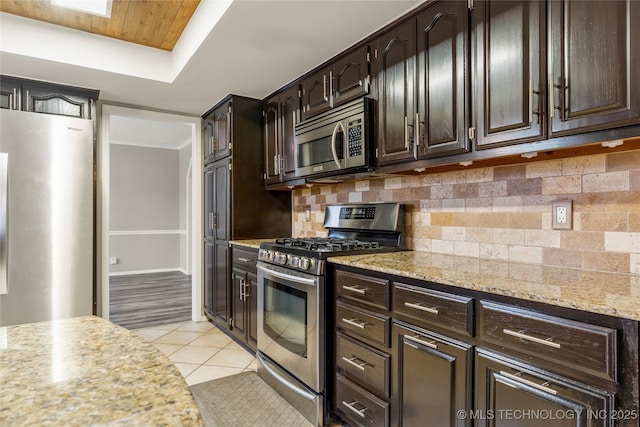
(294, 261)
(305, 263)
(280, 258)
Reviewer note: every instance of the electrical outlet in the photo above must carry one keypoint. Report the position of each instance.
(113, 260)
(562, 215)
(307, 214)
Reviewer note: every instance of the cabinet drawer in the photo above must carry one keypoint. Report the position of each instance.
(575, 345)
(364, 323)
(245, 258)
(363, 365)
(445, 310)
(369, 290)
(358, 406)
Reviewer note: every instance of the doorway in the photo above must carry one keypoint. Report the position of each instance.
(143, 125)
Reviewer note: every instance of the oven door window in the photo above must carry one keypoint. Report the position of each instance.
(285, 316)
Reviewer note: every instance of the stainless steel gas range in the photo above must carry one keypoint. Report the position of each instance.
(295, 294)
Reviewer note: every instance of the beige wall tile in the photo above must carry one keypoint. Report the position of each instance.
(391, 183)
(562, 257)
(623, 161)
(622, 242)
(493, 220)
(355, 197)
(609, 181)
(494, 251)
(542, 238)
(634, 221)
(453, 205)
(465, 219)
(523, 220)
(525, 254)
(592, 241)
(508, 204)
(602, 221)
(465, 191)
(634, 261)
(584, 165)
(453, 233)
(492, 189)
(634, 180)
(480, 235)
(442, 246)
(480, 175)
(442, 218)
(504, 173)
(606, 261)
(362, 185)
(524, 187)
(480, 204)
(442, 191)
(544, 169)
(506, 236)
(428, 233)
(562, 185)
(470, 249)
(622, 201)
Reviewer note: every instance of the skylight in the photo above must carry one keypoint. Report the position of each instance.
(94, 7)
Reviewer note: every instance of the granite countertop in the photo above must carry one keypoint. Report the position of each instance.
(614, 294)
(250, 243)
(87, 371)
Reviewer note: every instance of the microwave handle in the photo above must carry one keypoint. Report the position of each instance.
(333, 144)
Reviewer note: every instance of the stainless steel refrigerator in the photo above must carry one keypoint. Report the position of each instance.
(46, 217)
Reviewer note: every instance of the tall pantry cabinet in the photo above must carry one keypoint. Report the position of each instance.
(236, 204)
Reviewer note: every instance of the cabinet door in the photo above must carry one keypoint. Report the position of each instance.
(208, 202)
(432, 378)
(272, 140)
(207, 144)
(316, 94)
(289, 117)
(44, 99)
(221, 201)
(238, 304)
(9, 93)
(509, 70)
(220, 281)
(508, 394)
(393, 70)
(594, 65)
(222, 132)
(251, 306)
(208, 276)
(443, 94)
(350, 76)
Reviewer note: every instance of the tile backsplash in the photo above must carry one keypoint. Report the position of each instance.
(504, 212)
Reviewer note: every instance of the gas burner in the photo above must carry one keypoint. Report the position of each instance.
(326, 244)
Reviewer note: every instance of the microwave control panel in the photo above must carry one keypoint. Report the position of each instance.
(354, 138)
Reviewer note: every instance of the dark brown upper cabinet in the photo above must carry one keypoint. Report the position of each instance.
(281, 114)
(509, 75)
(39, 97)
(594, 65)
(393, 70)
(443, 80)
(346, 78)
(217, 133)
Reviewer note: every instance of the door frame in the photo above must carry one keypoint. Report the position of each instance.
(103, 197)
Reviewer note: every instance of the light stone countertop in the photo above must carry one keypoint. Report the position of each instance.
(250, 243)
(87, 371)
(613, 294)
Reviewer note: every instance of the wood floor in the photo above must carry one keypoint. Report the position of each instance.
(144, 300)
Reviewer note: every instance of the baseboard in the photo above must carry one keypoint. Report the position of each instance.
(156, 270)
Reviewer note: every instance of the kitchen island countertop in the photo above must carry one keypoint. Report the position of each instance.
(613, 294)
(87, 371)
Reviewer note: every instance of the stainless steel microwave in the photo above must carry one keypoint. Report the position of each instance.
(337, 142)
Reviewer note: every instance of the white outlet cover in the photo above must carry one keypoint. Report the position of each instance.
(562, 215)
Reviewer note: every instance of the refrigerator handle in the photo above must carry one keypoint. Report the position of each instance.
(4, 244)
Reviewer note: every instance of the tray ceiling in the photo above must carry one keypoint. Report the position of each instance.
(153, 23)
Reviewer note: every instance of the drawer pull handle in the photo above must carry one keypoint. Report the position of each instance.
(518, 377)
(524, 336)
(353, 362)
(431, 310)
(351, 406)
(418, 339)
(245, 259)
(354, 289)
(353, 322)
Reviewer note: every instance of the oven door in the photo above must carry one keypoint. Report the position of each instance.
(290, 331)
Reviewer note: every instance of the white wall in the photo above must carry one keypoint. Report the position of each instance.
(145, 209)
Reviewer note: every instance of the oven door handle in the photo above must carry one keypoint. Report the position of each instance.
(334, 152)
(290, 277)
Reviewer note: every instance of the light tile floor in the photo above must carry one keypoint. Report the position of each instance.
(200, 351)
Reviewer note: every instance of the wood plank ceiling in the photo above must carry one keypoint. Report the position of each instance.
(153, 23)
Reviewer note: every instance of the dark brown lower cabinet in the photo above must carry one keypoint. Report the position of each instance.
(244, 295)
(510, 393)
(431, 381)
